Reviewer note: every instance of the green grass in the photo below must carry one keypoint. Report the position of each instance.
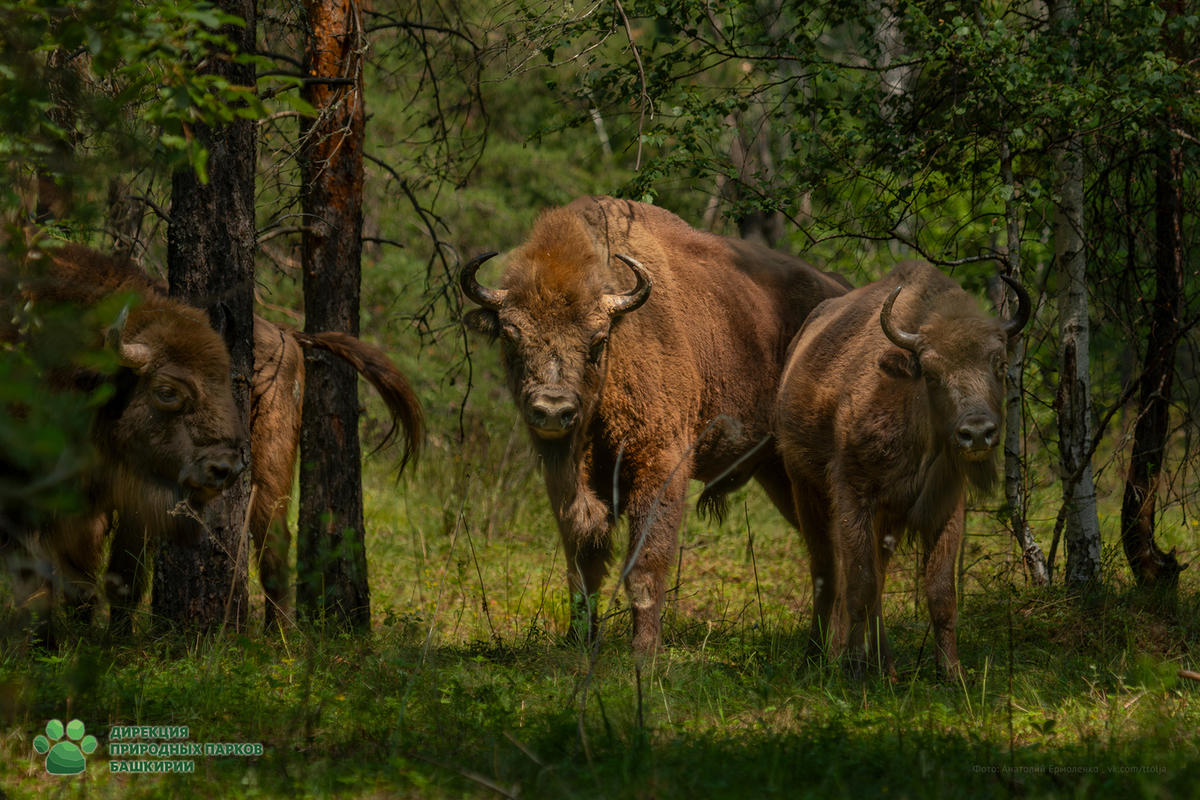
(464, 687)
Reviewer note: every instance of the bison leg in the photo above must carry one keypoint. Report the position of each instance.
(654, 517)
(941, 555)
(585, 524)
(65, 559)
(812, 509)
(587, 565)
(272, 541)
(773, 478)
(855, 541)
(886, 538)
(125, 579)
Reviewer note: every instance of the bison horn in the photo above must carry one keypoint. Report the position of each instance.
(624, 303)
(902, 339)
(488, 298)
(1024, 307)
(134, 356)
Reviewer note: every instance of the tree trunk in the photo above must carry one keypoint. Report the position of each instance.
(1014, 473)
(1150, 565)
(331, 557)
(1074, 401)
(210, 264)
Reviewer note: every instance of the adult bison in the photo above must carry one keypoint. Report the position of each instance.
(889, 409)
(642, 353)
(142, 508)
(168, 433)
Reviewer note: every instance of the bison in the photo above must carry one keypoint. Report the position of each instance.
(889, 408)
(138, 495)
(641, 354)
(169, 432)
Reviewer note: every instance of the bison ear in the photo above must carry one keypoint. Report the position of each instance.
(900, 363)
(483, 320)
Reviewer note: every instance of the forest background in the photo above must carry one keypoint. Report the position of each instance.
(1055, 142)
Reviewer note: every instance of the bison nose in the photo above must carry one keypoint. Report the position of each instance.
(219, 472)
(552, 413)
(977, 433)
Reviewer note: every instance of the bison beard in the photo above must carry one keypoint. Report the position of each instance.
(641, 354)
(889, 409)
(125, 479)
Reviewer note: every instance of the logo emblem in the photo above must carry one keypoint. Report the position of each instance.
(67, 756)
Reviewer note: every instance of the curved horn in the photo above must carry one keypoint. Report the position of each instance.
(902, 339)
(488, 298)
(1024, 308)
(130, 354)
(635, 297)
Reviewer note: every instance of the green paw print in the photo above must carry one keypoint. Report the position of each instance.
(65, 758)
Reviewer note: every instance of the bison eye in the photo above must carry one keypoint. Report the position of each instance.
(510, 332)
(596, 350)
(167, 397)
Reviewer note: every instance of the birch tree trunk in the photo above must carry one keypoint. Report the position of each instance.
(1014, 473)
(330, 552)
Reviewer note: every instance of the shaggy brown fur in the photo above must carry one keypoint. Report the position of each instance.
(681, 388)
(170, 432)
(274, 437)
(878, 440)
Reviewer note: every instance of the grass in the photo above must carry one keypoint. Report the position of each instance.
(465, 687)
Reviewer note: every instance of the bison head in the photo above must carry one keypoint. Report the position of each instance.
(172, 422)
(554, 332)
(962, 357)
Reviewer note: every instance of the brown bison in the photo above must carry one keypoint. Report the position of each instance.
(169, 432)
(889, 408)
(141, 498)
(642, 353)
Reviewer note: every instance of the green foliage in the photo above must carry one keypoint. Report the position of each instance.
(51, 363)
(90, 86)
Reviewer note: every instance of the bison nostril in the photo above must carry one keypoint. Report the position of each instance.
(220, 472)
(977, 435)
(552, 413)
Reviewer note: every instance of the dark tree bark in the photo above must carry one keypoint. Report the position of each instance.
(331, 557)
(1150, 565)
(210, 262)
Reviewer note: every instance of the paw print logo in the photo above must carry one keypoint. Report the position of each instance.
(66, 757)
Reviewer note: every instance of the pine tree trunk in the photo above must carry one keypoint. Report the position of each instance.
(331, 557)
(210, 263)
(1150, 565)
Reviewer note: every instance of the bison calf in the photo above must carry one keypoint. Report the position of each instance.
(888, 409)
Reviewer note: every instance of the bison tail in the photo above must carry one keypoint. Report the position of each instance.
(374, 365)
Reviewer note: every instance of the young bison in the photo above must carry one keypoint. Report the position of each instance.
(888, 409)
